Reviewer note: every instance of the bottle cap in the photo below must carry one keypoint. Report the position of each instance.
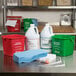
(32, 25)
(47, 24)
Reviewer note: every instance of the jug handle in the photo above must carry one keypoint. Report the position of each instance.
(36, 29)
(50, 29)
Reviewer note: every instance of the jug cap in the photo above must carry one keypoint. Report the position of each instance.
(47, 24)
(32, 25)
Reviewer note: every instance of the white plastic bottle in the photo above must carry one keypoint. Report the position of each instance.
(45, 38)
(33, 39)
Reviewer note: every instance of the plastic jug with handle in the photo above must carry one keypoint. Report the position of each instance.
(33, 39)
(45, 38)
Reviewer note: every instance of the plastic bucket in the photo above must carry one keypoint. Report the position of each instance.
(26, 23)
(13, 43)
(16, 28)
(63, 45)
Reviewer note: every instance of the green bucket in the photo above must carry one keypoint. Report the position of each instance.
(26, 23)
(63, 45)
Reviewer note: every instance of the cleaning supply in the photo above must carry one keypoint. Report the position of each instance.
(63, 45)
(33, 41)
(13, 43)
(50, 58)
(29, 56)
(26, 23)
(13, 25)
(45, 36)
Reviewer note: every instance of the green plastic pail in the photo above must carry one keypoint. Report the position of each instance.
(63, 45)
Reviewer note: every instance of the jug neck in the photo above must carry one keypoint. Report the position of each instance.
(49, 28)
(32, 25)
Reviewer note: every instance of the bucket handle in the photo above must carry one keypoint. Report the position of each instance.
(4, 39)
(71, 39)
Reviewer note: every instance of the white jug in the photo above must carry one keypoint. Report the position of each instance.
(33, 39)
(45, 38)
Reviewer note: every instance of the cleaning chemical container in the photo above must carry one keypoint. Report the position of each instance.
(13, 43)
(45, 38)
(26, 23)
(33, 40)
(63, 45)
(13, 25)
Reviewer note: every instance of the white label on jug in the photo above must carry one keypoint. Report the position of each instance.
(33, 44)
(48, 50)
(45, 43)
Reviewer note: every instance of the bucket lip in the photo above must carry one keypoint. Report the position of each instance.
(14, 16)
(67, 36)
(27, 19)
(14, 19)
(13, 36)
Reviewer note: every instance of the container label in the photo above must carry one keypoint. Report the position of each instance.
(45, 43)
(48, 50)
(33, 44)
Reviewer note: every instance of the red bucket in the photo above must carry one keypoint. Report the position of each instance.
(13, 43)
(16, 28)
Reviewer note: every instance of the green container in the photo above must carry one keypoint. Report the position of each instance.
(63, 45)
(26, 23)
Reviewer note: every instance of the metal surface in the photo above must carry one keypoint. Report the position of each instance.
(4, 13)
(73, 18)
(42, 7)
(1, 14)
(8, 65)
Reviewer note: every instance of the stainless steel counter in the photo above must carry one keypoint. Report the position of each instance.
(8, 65)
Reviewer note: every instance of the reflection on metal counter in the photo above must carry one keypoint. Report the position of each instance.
(7, 65)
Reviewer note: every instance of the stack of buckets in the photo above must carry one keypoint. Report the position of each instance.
(62, 45)
(19, 22)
